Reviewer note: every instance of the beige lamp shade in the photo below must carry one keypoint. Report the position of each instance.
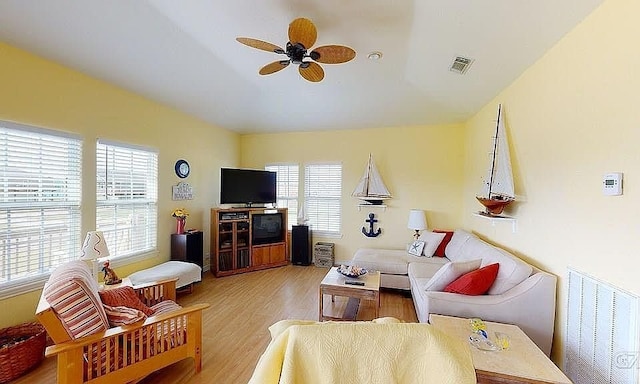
(94, 246)
(417, 221)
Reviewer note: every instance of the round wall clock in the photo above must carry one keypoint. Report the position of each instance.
(182, 168)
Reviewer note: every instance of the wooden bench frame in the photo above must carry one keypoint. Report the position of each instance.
(130, 354)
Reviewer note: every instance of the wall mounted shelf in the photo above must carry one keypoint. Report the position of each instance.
(495, 219)
(383, 206)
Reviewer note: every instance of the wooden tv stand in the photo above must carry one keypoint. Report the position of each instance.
(232, 247)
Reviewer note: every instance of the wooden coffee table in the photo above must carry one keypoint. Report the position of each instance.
(522, 362)
(334, 284)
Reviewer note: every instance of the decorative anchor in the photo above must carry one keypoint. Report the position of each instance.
(371, 221)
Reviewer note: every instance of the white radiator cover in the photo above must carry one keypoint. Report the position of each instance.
(602, 338)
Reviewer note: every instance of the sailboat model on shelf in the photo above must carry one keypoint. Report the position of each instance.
(498, 189)
(371, 188)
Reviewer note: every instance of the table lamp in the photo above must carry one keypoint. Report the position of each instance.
(417, 221)
(94, 247)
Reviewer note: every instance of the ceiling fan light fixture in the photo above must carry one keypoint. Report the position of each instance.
(302, 36)
(374, 56)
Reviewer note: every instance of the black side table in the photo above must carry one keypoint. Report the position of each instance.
(187, 247)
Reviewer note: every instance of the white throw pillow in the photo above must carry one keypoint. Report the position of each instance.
(431, 242)
(416, 248)
(449, 272)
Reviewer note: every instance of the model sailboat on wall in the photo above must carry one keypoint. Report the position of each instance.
(498, 189)
(371, 188)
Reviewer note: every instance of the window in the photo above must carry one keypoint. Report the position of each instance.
(287, 182)
(323, 193)
(127, 198)
(40, 190)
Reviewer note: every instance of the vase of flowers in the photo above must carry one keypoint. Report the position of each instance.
(181, 219)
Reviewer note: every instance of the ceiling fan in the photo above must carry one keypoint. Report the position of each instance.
(302, 35)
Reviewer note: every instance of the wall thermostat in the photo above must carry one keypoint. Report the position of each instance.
(612, 184)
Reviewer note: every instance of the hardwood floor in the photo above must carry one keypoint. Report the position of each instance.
(235, 326)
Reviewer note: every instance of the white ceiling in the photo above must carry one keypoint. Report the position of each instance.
(184, 54)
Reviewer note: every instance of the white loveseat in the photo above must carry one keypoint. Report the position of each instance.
(521, 294)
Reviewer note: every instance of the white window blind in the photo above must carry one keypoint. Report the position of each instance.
(287, 182)
(40, 190)
(323, 192)
(127, 198)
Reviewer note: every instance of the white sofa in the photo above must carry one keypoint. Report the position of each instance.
(521, 294)
(393, 265)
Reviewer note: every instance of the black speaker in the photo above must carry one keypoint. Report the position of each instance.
(187, 247)
(300, 245)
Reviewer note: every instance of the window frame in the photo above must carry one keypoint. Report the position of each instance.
(67, 199)
(118, 258)
(338, 199)
(292, 214)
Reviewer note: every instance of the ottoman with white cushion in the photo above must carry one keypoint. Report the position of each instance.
(187, 273)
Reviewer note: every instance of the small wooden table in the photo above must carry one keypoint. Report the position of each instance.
(126, 282)
(522, 362)
(334, 284)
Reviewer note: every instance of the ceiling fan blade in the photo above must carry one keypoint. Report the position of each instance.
(259, 44)
(303, 31)
(274, 67)
(312, 72)
(333, 54)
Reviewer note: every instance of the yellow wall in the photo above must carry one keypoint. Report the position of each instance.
(421, 166)
(45, 94)
(571, 118)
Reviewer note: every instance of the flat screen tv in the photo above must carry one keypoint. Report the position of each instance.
(247, 186)
(267, 228)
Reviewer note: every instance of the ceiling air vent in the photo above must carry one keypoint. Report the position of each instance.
(460, 65)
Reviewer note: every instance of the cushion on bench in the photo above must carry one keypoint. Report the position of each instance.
(72, 292)
(187, 273)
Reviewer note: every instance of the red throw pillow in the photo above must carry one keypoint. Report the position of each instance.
(475, 283)
(443, 244)
(124, 297)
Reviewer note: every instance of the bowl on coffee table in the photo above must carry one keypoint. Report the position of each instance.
(351, 271)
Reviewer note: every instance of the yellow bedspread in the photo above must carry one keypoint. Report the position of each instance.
(361, 352)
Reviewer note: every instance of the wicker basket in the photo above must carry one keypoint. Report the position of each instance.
(21, 348)
(323, 254)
